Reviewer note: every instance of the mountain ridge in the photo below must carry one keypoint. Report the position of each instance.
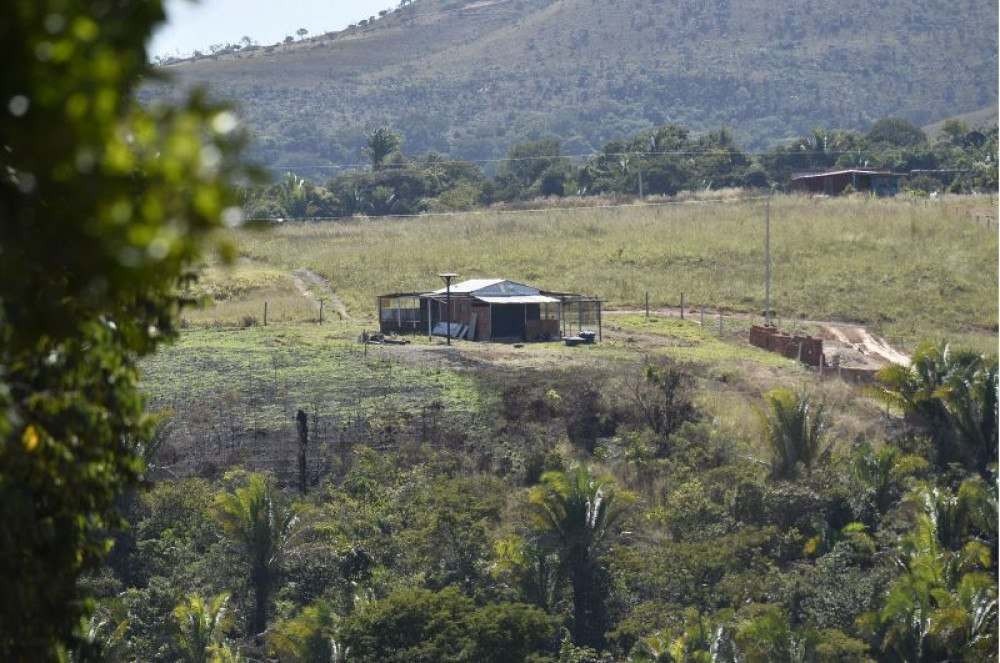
(472, 78)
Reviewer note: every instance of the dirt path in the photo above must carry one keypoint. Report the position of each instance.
(854, 344)
(315, 287)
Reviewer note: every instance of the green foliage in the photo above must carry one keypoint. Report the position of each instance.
(420, 625)
(576, 514)
(794, 432)
(257, 520)
(944, 605)
(104, 205)
(308, 637)
(380, 143)
(201, 625)
(895, 132)
(952, 395)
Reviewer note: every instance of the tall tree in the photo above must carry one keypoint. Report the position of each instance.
(380, 143)
(577, 514)
(262, 525)
(104, 205)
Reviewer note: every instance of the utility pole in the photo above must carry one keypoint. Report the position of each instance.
(767, 259)
(448, 276)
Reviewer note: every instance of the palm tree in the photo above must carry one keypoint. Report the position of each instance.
(794, 431)
(952, 394)
(576, 514)
(943, 606)
(256, 519)
(381, 142)
(201, 624)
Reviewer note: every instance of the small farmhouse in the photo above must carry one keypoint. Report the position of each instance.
(490, 309)
(834, 182)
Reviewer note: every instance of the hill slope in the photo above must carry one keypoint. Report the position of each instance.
(472, 77)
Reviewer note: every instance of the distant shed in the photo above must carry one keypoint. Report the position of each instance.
(490, 309)
(834, 182)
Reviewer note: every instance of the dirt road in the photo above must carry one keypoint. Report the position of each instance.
(315, 287)
(852, 344)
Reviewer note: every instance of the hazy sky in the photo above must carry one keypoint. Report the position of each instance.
(194, 25)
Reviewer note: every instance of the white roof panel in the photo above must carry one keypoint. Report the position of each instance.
(468, 286)
(522, 299)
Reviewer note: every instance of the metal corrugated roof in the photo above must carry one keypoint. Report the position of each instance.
(519, 299)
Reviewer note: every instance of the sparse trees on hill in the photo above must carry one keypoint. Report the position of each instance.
(302, 32)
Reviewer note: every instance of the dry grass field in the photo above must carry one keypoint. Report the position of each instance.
(909, 269)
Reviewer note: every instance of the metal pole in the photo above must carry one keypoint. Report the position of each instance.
(448, 276)
(767, 259)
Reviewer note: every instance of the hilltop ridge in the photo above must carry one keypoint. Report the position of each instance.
(472, 78)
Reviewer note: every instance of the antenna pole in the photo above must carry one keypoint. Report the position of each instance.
(767, 259)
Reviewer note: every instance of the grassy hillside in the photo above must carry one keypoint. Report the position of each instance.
(911, 269)
(983, 118)
(471, 78)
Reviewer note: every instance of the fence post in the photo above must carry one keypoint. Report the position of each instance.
(265, 313)
(720, 323)
(702, 315)
(682, 306)
(647, 304)
(303, 425)
(321, 311)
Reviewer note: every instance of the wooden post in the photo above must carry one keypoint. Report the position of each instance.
(303, 424)
(430, 320)
(682, 306)
(265, 313)
(321, 311)
(647, 304)
(720, 323)
(600, 336)
(703, 315)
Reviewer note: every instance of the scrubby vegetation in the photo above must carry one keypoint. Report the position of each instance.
(659, 162)
(470, 78)
(600, 513)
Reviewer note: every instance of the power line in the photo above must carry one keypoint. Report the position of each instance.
(534, 210)
(589, 155)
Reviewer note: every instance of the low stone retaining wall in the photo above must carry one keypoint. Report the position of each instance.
(807, 349)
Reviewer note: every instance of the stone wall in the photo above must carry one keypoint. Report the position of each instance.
(807, 349)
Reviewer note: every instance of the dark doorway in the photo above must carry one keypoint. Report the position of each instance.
(508, 321)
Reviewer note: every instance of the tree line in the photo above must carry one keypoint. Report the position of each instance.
(659, 162)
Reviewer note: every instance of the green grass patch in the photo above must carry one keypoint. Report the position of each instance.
(908, 269)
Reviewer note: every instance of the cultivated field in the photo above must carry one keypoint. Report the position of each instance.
(908, 269)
